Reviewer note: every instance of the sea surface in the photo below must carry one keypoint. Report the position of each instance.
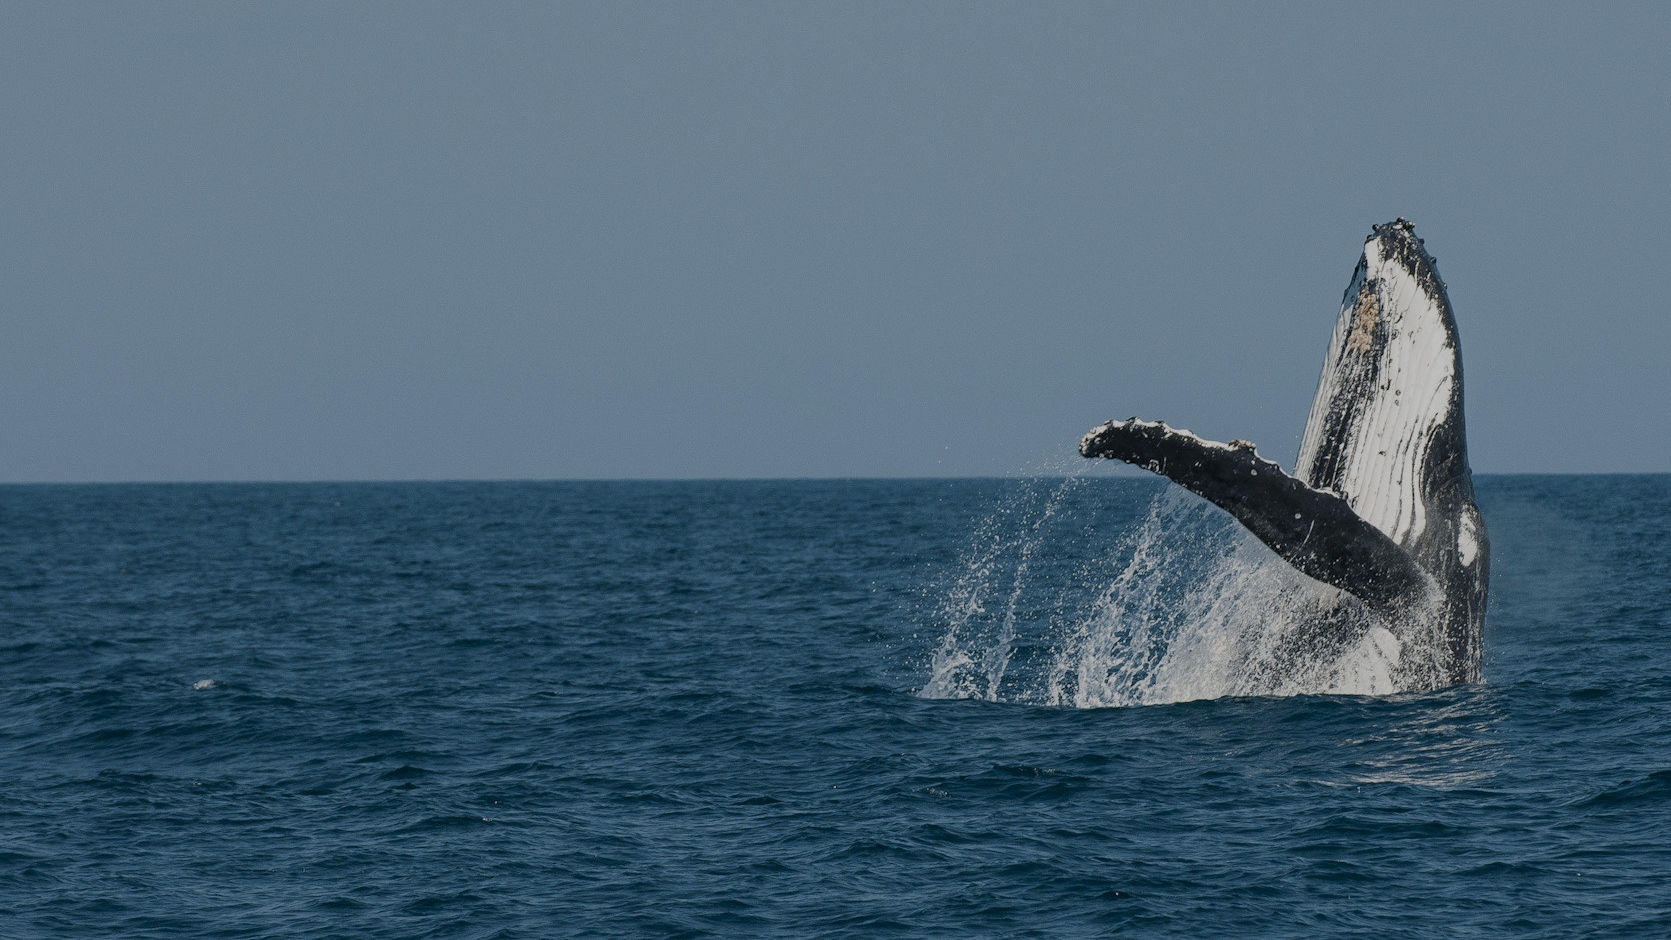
(799, 708)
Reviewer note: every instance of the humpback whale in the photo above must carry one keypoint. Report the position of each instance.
(1381, 501)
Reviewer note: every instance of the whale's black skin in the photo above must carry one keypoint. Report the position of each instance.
(1381, 503)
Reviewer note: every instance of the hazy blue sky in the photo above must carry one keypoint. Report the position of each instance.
(333, 241)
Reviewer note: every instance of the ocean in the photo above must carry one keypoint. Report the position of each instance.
(802, 708)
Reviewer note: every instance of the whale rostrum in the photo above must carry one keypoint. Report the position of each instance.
(1381, 500)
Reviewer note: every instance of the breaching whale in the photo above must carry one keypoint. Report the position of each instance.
(1381, 501)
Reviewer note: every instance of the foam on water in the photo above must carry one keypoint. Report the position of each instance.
(1186, 605)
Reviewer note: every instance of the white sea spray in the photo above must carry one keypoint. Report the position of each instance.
(975, 651)
(1185, 605)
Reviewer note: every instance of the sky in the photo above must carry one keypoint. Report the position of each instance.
(329, 241)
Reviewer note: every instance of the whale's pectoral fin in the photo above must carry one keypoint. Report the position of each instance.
(1314, 530)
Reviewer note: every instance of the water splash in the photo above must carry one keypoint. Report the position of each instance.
(976, 649)
(1186, 605)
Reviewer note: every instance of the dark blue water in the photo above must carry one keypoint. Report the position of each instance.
(691, 709)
